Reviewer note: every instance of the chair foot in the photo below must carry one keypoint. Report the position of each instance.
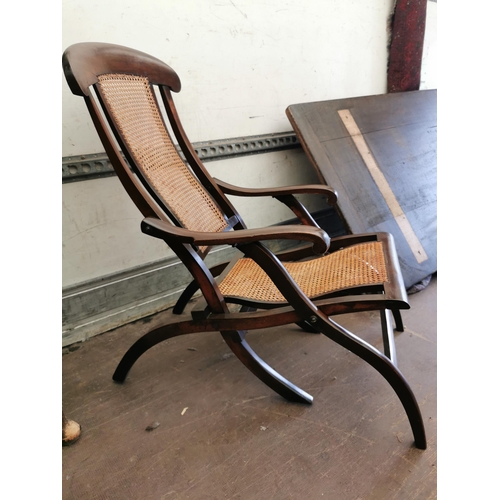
(385, 367)
(263, 371)
(147, 341)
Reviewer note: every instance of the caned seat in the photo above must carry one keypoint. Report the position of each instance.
(355, 266)
(184, 206)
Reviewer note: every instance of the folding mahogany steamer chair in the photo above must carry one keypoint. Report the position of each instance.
(188, 209)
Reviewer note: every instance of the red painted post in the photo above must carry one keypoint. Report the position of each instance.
(407, 43)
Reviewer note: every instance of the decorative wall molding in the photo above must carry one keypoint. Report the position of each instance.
(94, 166)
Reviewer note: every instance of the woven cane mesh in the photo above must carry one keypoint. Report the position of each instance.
(361, 264)
(133, 107)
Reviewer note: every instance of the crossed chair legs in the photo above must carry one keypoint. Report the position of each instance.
(383, 363)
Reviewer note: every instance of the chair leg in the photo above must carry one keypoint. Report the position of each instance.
(185, 297)
(192, 288)
(398, 320)
(385, 367)
(145, 343)
(388, 336)
(235, 341)
(270, 377)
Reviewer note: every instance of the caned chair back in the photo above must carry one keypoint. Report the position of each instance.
(118, 85)
(135, 112)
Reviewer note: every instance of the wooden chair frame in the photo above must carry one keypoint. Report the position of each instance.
(83, 66)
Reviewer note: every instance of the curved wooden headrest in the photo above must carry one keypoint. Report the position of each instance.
(84, 62)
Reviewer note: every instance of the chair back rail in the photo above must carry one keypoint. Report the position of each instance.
(130, 122)
(84, 62)
(117, 85)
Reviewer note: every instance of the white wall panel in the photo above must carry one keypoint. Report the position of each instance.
(241, 62)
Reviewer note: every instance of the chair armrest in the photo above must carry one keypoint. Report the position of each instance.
(170, 233)
(279, 191)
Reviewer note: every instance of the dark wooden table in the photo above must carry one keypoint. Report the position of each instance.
(379, 154)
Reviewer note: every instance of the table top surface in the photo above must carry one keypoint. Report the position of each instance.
(379, 154)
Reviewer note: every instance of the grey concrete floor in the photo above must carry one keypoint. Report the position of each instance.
(220, 433)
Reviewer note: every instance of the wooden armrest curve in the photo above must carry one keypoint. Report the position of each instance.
(169, 232)
(279, 191)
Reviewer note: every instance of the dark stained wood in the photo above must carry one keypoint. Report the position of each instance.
(167, 232)
(400, 130)
(82, 64)
(326, 191)
(285, 195)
